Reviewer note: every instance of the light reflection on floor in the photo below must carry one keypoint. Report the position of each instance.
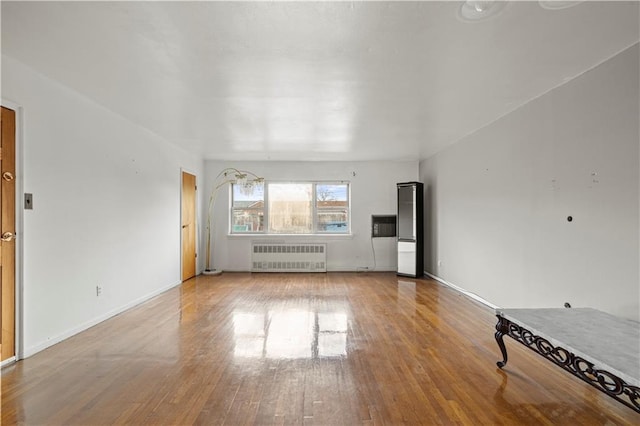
(290, 334)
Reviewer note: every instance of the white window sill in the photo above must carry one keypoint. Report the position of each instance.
(289, 237)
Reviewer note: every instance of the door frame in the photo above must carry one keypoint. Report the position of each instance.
(19, 241)
(197, 211)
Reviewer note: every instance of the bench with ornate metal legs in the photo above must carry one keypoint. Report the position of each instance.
(598, 348)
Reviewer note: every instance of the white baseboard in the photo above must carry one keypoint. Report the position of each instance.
(362, 269)
(337, 269)
(8, 361)
(463, 291)
(32, 350)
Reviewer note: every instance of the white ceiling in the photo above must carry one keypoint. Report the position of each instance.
(312, 80)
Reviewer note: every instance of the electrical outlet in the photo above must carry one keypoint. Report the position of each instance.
(98, 290)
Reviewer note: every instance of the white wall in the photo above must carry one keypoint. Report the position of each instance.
(106, 197)
(373, 191)
(497, 201)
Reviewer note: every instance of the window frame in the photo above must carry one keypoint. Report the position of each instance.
(314, 209)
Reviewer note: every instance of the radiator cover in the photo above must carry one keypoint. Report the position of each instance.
(298, 257)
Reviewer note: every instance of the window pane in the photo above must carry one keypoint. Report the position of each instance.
(332, 194)
(247, 220)
(333, 221)
(248, 209)
(290, 209)
(333, 207)
(248, 196)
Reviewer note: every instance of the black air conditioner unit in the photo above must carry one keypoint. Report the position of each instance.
(383, 226)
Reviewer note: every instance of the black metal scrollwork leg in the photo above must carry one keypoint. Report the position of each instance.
(603, 380)
(502, 328)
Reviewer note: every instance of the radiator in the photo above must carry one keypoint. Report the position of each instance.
(301, 257)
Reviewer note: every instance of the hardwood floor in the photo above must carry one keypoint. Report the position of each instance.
(325, 349)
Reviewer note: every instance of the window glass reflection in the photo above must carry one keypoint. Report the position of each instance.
(332, 334)
(249, 347)
(248, 324)
(290, 334)
(249, 334)
(332, 344)
(332, 321)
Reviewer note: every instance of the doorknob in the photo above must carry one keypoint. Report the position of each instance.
(8, 176)
(8, 236)
(184, 226)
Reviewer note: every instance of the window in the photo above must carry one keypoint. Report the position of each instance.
(332, 208)
(291, 208)
(247, 209)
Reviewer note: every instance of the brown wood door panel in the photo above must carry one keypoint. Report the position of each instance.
(7, 224)
(188, 226)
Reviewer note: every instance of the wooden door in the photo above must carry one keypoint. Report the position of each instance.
(188, 226)
(7, 231)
